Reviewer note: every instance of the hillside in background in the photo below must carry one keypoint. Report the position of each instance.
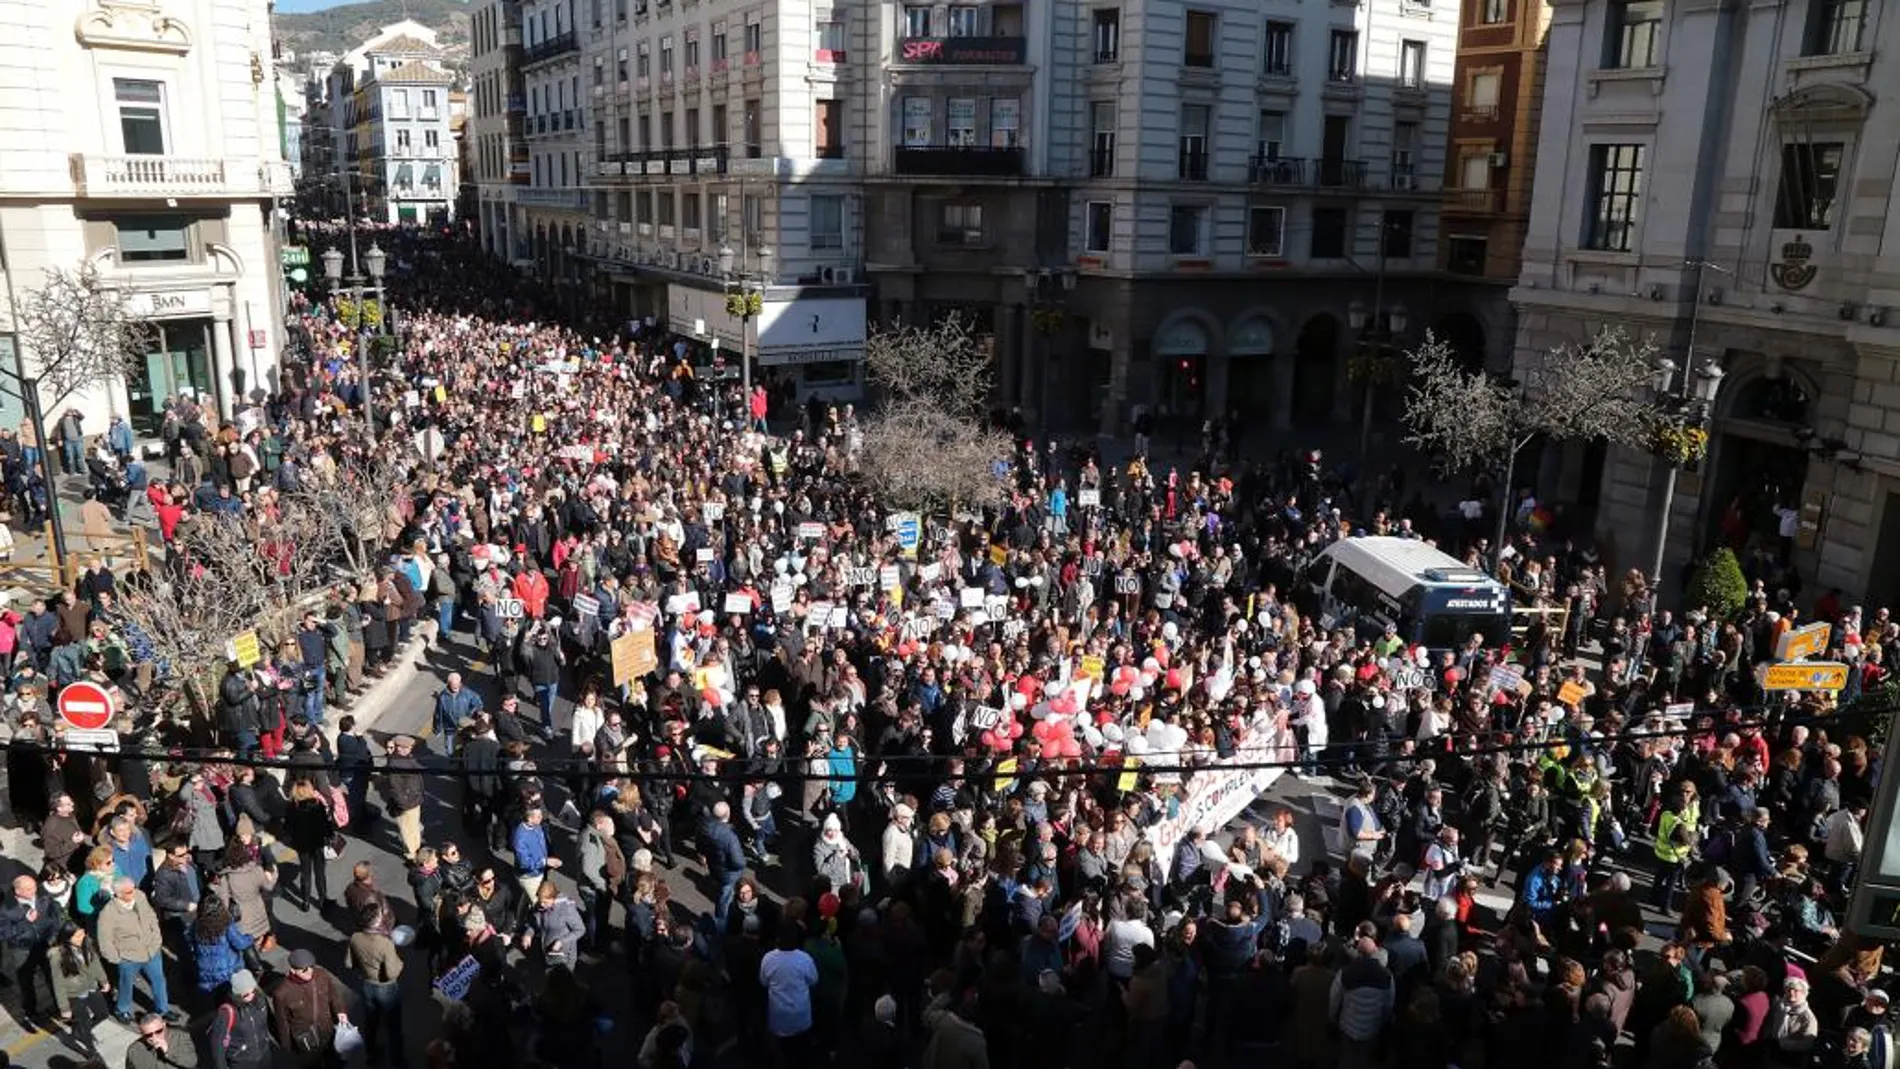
(342, 28)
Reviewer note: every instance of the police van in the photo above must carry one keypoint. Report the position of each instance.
(1427, 596)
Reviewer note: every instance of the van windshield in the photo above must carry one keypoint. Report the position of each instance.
(1450, 631)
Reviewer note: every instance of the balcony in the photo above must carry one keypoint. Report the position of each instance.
(551, 49)
(1192, 166)
(972, 161)
(1276, 171)
(1339, 174)
(963, 51)
(1472, 201)
(164, 176)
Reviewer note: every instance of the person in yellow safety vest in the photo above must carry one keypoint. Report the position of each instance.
(1675, 844)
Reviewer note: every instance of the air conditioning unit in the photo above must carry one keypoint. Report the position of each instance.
(837, 276)
(1498, 159)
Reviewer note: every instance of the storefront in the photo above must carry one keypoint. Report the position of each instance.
(816, 343)
(183, 352)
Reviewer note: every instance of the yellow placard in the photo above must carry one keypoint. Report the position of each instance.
(1572, 694)
(441, 393)
(1804, 675)
(1092, 667)
(1005, 774)
(1804, 642)
(245, 649)
(1131, 774)
(999, 555)
(539, 424)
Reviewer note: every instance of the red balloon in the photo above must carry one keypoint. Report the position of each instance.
(1119, 688)
(1176, 679)
(1069, 748)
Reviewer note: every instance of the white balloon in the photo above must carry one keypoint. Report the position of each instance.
(1092, 735)
(1135, 745)
(1019, 701)
(1170, 631)
(1022, 582)
(1136, 693)
(1150, 664)
(1054, 688)
(1040, 712)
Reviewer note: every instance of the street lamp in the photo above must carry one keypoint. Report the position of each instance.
(1376, 332)
(333, 271)
(1690, 412)
(743, 304)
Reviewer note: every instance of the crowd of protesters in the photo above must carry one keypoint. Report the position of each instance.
(932, 776)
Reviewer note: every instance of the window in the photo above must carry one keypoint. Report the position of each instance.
(666, 129)
(917, 122)
(141, 115)
(721, 204)
(432, 139)
(402, 139)
(1493, 12)
(1006, 122)
(1200, 39)
(1194, 125)
(719, 46)
(1635, 32)
(720, 127)
(1266, 231)
(1395, 238)
(1098, 226)
(1616, 191)
(754, 37)
(827, 222)
(960, 224)
(1187, 225)
(1343, 62)
(1277, 56)
(829, 132)
(1835, 27)
(399, 103)
(753, 210)
(666, 56)
(692, 53)
(960, 122)
(692, 127)
(754, 131)
(831, 36)
(1404, 149)
(643, 205)
(643, 63)
(666, 206)
(689, 210)
(1272, 140)
(1482, 99)
(1108, 34)
(1328, 240)
(429, 97)
(1474, 171)
(1101, 139)
(916, 22)
(962, 21)
(1465, 254)
(1412, 64)
(147, 239)
(1006, 20)
(1810, 182)
(646, 131)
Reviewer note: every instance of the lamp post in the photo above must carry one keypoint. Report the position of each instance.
(1692, 402)
(1376, 332)
(745, 300)
(376, 262)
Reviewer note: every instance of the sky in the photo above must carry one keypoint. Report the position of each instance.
(298, 7)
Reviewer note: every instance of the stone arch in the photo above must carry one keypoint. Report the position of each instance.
(1255, 333)
(1187, 332)
(1763, 390)
(226, 258)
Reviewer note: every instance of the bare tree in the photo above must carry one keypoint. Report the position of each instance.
(1602, 389)
(77, 331)
(928, 446)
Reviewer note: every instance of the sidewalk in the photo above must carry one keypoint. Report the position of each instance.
(18, 853)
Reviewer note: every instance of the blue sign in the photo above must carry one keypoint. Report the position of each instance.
(455, 983)
(909, 532)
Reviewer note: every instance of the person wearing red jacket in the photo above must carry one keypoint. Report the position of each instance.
(531, 589)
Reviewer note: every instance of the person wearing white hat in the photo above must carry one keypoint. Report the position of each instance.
(900, 845)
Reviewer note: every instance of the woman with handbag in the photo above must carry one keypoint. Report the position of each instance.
(309, 825)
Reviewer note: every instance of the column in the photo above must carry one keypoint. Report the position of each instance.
(1281, 416)
(221, 364)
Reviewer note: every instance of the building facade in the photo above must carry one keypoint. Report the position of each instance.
(556, 210)
(402, 137)
(144, 142)
(1718, 176)
(498, 147)
(722, 158)
(1497, 101)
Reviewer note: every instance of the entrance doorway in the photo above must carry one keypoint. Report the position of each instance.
(1752, 478)
(177, 361)
(1315, 371)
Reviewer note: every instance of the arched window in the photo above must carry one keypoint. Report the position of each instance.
(1773, 400)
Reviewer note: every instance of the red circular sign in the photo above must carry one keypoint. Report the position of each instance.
(86, 706)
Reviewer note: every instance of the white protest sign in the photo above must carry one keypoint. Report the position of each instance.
(996, 606)
(931, 572)
(1128, 584)
(782, 594)
(714, 511)
(920, 627)
(819, 615)
(703, 554)
(971, 597)
(1088, 499)
(840, 618)
(889, 578)
(1013, 629)
(509, 608)
(860, 576)
(678, 604)
(943, 608)
(586, 605)
(811, 532)
(738, 604)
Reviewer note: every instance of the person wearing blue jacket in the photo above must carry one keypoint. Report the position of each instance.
(218, 947)
(453, 704)
(530, 843)
(843, 759)
(1544, 889)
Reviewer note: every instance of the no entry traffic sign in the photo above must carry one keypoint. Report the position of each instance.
(85, 706)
